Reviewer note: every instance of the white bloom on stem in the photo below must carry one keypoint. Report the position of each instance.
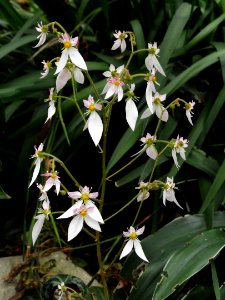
(157, 108)
(151, 60)
(168, 192)
(114, 86)
(113, 71)
(133, 242)
(148, 145)
(70, 51)
(41, 217)
(120, 40)
(189, 113)
(82, 213)
(179, 147)
(44, 195)
(53, 180)
(43, 29)
(144, 191)
(66, 74)
(94, 122)
(51, 106)
(151, 81)
(46, 67)
(131, 108)
(38, 159)
(61, 288)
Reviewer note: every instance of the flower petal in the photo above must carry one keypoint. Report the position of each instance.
(127, 249)
(74, 195)
(131, 113)
(70, 212)
(94, 213)
(116, 44)
(62, 62)
(157, 65)
(138, 249)
(77, 58)
(75, 227)
(95, 127)
(152, 152)
(147, 113)
(78, 75)
(36, 170)
(174, 155)
(62, 79)
(92, 223)
(37, 227)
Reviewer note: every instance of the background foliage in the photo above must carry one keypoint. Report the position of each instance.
(191, 39)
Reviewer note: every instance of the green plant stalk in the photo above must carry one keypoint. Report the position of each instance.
(64, 167)
(75, 99)
(62, 121)
(215, 280)
(55, 229)
(93, 85)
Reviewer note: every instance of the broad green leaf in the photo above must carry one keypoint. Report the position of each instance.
(13, 45)
(98, 294)
(201, 35)
(199, 292)
(159, 246)
(186, 262)
(215, 187)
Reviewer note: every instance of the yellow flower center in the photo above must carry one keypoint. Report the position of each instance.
(116, 83)
(157, 101)
(153, 78)
(53, 175)
(83, 212)
(91, 107)
(133, 235)
(85, 197)
(67, 44)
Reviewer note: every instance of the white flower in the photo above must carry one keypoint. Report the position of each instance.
(151, 60)
(46, 67)
(43, 214)
(39, 157)
(113, 72)
(66, 74)
(148, 145)
(179, 147)
(120, 40)
(168, 192)
(114, 86)
(51, 106)
(143, 193)
(94, 122)
(133, 242)
(61, 289)
(70, 51)
(157, 107)
(82, 213)
(44, 195)
(53, 180)
(43, 29)
(189, 107)
(131, 108)
(151, 81)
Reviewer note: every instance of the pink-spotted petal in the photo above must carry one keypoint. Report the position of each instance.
(74, 195)
(140, 230)
(71, 211)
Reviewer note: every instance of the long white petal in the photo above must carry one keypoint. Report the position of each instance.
(138, 249)
(77, 58)
(127, 249)
(147, 113)
(157, 65)
(131, 113)
(174, 155)
(78, 75)
(62, 79)
(95, 127)
(57, 185)
(152, 152)
(110, 91)
(148, 95)
(48, 184)
(92, 223)
(148, 62)
(51, 110)
(74, 195)
(75, 227)
(62, 62)
(94, 213)
(182, 153)
(37, 227)
(36, 170)
(123, 45)
(70, 212)
(116, 44)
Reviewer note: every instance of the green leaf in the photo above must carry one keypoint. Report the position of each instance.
(159, 247)
(3, 194)
(186, 262)
(98, 294)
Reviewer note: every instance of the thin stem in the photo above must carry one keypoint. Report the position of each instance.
(215, 280)
(75, 99)
(93, 85)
